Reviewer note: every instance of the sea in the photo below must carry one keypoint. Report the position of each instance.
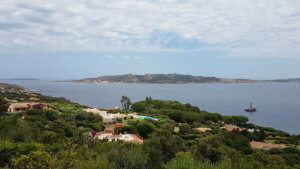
(278, 104)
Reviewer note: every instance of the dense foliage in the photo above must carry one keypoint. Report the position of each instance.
(3, 105)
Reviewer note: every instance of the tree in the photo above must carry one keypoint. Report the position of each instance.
(185, 129)
(237, 141)
(212, 148)
(126, 103)
(138, 107)
(183, 160)
(170, 144)
(3, 105)
(128, 156)
(275, 162)
(152, 147)
(36, 159)
(148, 101)
(144, 128)
(261, 135)
(237, 120)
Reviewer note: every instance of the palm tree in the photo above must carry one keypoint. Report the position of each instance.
(125, 102)
(149, 101)
(123, 98)
(128, 103)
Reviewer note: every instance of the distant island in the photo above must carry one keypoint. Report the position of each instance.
(20, 79)
(162, 79)
(288, 80)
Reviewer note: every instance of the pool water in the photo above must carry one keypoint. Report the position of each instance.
(145, 117)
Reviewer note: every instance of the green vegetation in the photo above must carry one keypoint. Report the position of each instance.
(59, 139)
(3, 105)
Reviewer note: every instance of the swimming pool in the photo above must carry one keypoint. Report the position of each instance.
(145, 117)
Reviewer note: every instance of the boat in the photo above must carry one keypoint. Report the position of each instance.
(251, 108)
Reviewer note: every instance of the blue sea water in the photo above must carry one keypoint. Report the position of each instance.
(278, 104)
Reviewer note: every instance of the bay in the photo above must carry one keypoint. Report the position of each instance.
(278, 104)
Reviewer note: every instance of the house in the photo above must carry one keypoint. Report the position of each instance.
(203, 129)
(15, 107)
(131, 138)
(265, 146)
(107, 117)
(34, 99)
(31, 94)
(176, 129)
(111, 137)
(230, 127)
(103, 114)
(112, 128)
(252, 130)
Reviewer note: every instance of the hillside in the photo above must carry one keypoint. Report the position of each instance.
(288, 80)
(4, 87)
(159, 78)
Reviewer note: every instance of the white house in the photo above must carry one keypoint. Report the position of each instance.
(107, 117)
(121, 137)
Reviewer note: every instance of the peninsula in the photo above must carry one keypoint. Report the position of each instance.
(162, 79)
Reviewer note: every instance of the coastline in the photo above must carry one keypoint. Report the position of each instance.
(213, 97)
(222, 82)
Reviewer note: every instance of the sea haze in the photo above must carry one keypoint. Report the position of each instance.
(278, 104)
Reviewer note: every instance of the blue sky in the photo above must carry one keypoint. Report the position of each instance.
(65, 39)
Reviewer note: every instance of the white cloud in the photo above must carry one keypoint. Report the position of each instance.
(249, 28)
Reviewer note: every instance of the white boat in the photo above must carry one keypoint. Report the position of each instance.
(251, 108)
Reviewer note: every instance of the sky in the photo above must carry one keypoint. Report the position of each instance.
(67, 39)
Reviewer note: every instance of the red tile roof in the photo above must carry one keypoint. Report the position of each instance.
(231, 127)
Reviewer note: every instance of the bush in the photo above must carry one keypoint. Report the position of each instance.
(37, 159)
(9, 150)
(144, 128)
(50, 115)
(93, 126)
(139, 107)
(50, 137)
(237, 120)
(128, 156)
(88, 117)
(3, 105)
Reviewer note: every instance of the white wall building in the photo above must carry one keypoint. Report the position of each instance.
(121, 137)
(107, 117)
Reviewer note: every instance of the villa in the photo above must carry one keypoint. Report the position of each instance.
(230, 127)
(34, 99)
(265, 146)
(203, 129)
(107, 117)
(15, 107)
(131, 138)
(112, 128)
(109, 135)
